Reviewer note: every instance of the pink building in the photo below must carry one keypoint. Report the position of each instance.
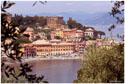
(52, 34)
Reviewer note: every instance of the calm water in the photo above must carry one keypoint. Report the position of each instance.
(57, 71)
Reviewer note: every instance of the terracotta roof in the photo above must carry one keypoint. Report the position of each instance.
(40, 42)
(66, 29)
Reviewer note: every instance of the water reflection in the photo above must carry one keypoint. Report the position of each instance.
(57, 71)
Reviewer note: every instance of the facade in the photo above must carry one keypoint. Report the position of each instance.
(62, 48)
(52, 34)
(89, 32)
(67, 34)
(59, 33)
(79, 47)
(43, 47)
(29, 51)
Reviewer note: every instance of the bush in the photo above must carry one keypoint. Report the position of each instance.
(102, 66)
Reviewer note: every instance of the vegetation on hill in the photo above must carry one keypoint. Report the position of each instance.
(30, 21)
(73, 24)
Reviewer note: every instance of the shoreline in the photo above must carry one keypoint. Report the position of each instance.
(39, 59)
(45, 59)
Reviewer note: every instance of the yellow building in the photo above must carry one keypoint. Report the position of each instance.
(62, 48)
(59, 33)
(44, 47)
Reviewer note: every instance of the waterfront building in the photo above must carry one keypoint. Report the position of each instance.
(62, 48)
(43, 47)
(55, 41)
(29, 50)
(79, 47)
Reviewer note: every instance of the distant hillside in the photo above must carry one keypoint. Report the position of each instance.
(103, 19)
(85, 18)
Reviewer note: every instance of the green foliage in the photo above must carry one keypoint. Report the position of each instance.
(21, 40)
(72, 24)
(11, 31)
(58, 37)
(11, 79)
(30, 21)
(37, 37)
(102, 66)
(48, 36)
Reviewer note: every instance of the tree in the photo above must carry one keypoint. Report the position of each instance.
(11, 32)
(48, 36)
(58, 37)
(104, 65)
(118, 13)
(72, 24)
(100, 33)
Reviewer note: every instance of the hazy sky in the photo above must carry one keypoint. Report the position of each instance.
(25, 7)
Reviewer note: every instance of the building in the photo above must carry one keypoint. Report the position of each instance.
(79, 47)
(67, 34)
(89, 32)
(56, 22)
(62, 48)
(30, 32)
(29, 51)
(53, 34)
(59, 33)
(44, 47)
(76, 38)
(41, 34)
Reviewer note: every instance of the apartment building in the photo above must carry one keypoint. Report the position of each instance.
(44, 47)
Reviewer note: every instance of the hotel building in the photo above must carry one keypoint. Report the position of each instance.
(43, 47)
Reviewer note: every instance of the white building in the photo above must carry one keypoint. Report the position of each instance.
(89, 32)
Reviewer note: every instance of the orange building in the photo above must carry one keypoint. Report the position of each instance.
(62, 48)
(44, 47)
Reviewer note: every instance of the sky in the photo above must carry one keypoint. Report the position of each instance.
(90, 7)
(26, 7)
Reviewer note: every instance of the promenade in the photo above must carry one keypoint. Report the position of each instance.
(54, 58)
